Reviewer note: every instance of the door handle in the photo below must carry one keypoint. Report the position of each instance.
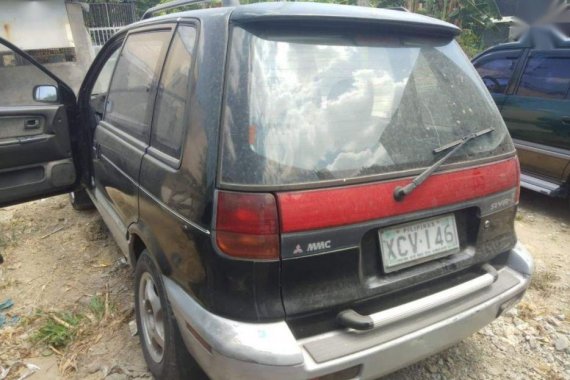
(32, 124)
(565, 120)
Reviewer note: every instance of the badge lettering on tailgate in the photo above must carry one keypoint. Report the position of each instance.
(319, 245)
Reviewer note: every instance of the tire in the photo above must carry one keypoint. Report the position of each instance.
(163, 347)
(80, 200)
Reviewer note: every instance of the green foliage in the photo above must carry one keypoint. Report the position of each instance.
(470, 42)
(58, 330)
(391, 3)
(473, 16)
(97, 307)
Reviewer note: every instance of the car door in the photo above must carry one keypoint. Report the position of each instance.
(173, 190)
(37, 112)
(497, 71)
(122, 134)
(538, 114)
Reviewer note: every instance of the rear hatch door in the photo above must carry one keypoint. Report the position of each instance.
(336, 118)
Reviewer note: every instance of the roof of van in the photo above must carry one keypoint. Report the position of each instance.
(276, 11)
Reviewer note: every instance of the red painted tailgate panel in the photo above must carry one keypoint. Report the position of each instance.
(314, 209)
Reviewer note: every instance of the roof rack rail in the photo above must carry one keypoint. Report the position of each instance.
(181, 3)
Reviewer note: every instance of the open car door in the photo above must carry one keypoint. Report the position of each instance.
(37, 110)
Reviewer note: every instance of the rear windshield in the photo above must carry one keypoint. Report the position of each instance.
(304, 107)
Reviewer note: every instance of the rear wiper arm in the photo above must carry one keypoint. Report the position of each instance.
(400, 192)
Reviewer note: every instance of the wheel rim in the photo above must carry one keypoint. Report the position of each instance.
(152, 317)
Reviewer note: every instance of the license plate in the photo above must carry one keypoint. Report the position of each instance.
(412, 243)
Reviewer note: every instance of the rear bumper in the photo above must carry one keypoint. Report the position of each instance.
(229, 349)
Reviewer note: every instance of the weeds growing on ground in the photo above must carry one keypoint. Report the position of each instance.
(58, 330)
(97, 307)
(101, 307)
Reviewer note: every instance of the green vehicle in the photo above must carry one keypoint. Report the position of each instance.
(530, 83)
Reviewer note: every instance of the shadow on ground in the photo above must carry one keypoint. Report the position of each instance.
(555, 208)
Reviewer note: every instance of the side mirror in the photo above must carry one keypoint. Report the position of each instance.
(45, 93)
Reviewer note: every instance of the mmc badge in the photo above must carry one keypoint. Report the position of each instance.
(312, 247)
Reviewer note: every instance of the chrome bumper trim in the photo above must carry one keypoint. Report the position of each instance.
(269, 350)
(262, 343)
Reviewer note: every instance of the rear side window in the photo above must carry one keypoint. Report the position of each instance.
(497, 72)
(305, 107)
(172, 103)
(546, 77)
(129, 105)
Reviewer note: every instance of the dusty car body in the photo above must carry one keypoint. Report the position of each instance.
(304, 190)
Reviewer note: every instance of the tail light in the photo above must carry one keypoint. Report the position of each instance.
(247, 225)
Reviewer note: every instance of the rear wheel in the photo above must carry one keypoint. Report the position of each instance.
(163, 348)
(80, 200)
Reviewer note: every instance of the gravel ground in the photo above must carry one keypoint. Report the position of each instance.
(57, 260)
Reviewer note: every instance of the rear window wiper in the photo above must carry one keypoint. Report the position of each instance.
(401, 192)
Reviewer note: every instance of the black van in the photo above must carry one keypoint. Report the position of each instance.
(304, 190)
(530, 82)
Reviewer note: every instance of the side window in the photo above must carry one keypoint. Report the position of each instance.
(129, 105)
(18, 77)
(497, 72)
(171, 106)
(101, 86)
(545, 77)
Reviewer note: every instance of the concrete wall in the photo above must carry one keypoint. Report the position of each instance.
(45, 24)
(35, 24)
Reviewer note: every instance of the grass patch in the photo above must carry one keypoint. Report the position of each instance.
(58, 330)
(101, 307)
(97, 307)
(70, 334)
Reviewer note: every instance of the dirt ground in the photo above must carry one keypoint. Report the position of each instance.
(72, 295)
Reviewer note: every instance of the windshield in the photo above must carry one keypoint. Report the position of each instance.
(304, 107)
